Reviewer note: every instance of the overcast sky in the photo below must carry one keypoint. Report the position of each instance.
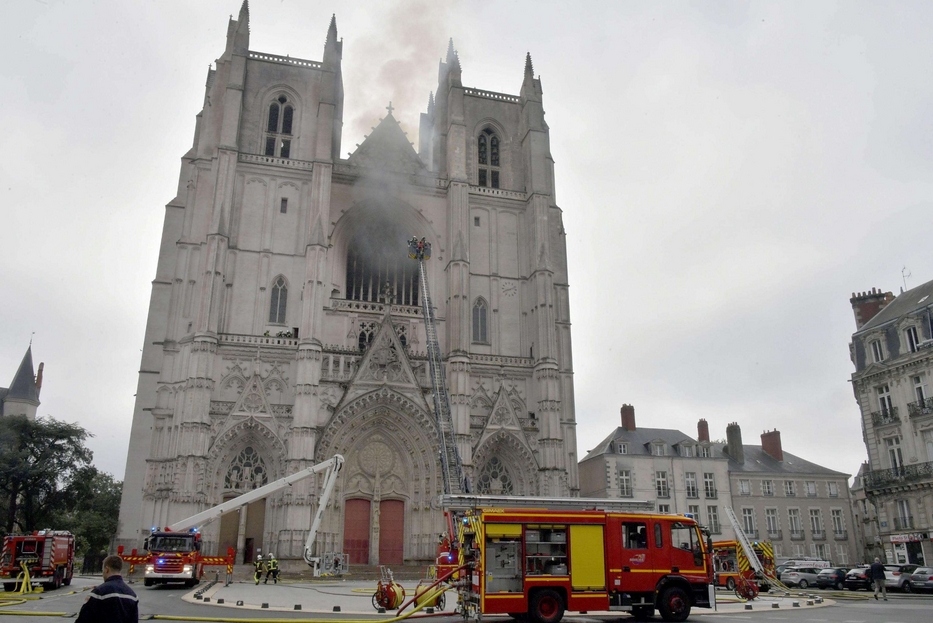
(729, 174)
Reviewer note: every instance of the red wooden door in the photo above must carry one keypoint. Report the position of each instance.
(391, 532)
(356, 531)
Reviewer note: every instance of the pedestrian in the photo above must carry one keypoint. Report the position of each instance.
(272, 569)
(260, 568)
(877, 576)
(113, 601)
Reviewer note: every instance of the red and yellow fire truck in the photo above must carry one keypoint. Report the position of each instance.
(731, 565)
(538, 563)
(48, 555)
(175, 557)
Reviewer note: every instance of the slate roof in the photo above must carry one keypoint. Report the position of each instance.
(907, 302)
(757, 461)
(23, 386)
(637, 440)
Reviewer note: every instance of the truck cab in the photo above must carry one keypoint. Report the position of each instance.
(173, 557)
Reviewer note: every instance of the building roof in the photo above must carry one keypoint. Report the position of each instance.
(907, 302)
(638, 439)
(23, 386)
(757, 461)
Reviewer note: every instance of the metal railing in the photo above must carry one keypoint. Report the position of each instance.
(903, 523)
(752, 534)
(920, 408)
(841, 535)
(797, 535)
(898, 475)
(888, 416)
(818, 535)
(775, 535)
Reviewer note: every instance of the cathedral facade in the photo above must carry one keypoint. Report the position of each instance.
(285, 323)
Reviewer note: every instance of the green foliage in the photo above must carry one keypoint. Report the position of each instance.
(43, 472)
(94, 518)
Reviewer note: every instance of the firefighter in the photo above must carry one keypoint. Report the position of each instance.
(260, 567)
(272, 569)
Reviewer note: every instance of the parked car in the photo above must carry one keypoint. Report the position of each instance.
(858, 578)
(920, 581)
(896, 576)
(800, 576)
(834, 577)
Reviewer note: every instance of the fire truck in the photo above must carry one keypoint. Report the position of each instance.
(730, 562)
(47, 555)
(535, 558)
(174, 554)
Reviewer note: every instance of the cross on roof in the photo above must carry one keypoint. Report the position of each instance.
(390, 108)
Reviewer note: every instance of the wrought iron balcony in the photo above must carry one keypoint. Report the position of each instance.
(775, 535)
(920, 408)
(879, 478)
(715, 528)
(797, 535)
(841, 535)
(903, 523)
(752, 534)
(819, 535)
(888, 416)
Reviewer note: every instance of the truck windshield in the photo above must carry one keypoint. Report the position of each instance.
(171, 544)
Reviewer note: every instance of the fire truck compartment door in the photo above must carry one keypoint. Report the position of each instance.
(587, 558)
(496, 530)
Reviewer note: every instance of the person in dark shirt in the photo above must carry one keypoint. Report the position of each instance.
(113, 601)
(877, 577)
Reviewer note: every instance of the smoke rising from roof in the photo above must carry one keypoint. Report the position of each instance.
(409, 33)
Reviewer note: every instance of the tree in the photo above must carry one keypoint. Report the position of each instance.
(41, 466)
(94, 517)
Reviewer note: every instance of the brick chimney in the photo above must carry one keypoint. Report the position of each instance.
(866, 305)
(39, 377)
(702, 430)
(771, 444)
(628, 417)
(734, 446)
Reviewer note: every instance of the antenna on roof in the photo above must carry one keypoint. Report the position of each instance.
(904, 275)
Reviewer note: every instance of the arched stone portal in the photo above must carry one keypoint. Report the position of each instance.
(389, 442)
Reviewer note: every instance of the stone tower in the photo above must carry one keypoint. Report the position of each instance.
(285, 325)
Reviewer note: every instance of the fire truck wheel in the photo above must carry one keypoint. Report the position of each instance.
(9, 586)
(57, 579)
(730, 584)
(147, 582)
(67, 579)
(674, 604)
(642, 613)
(546, 606)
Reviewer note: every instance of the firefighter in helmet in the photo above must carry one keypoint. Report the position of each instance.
(272, 569)
(260, 568)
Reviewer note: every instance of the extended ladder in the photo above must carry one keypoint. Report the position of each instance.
(750, 554)
(455, 480)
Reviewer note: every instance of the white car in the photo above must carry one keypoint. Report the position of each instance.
(800, 576)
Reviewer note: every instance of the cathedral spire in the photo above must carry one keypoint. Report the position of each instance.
(431, 104)
(450, 51)
(529, 68)
(331, 31)
(243, 17)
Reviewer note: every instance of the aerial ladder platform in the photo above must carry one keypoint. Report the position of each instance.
(455, 480)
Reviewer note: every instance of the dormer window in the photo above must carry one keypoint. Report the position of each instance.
(657, 449)
(687, 451)
(487, 158)
(622, 448)
(913, 340)
(877, 351)
(278, 135)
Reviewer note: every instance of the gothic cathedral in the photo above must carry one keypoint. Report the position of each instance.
(285, 323)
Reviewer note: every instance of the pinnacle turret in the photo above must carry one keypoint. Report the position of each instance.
(529, 68)
(331, 31)
(243, 17)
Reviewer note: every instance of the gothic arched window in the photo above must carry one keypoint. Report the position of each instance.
(378, 267)
(479, 321)
(278, 137)
(278, 301)
(487, 157)
(494, 479)
(247, 471)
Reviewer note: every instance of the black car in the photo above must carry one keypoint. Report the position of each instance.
(858, 578)
(832, 577)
